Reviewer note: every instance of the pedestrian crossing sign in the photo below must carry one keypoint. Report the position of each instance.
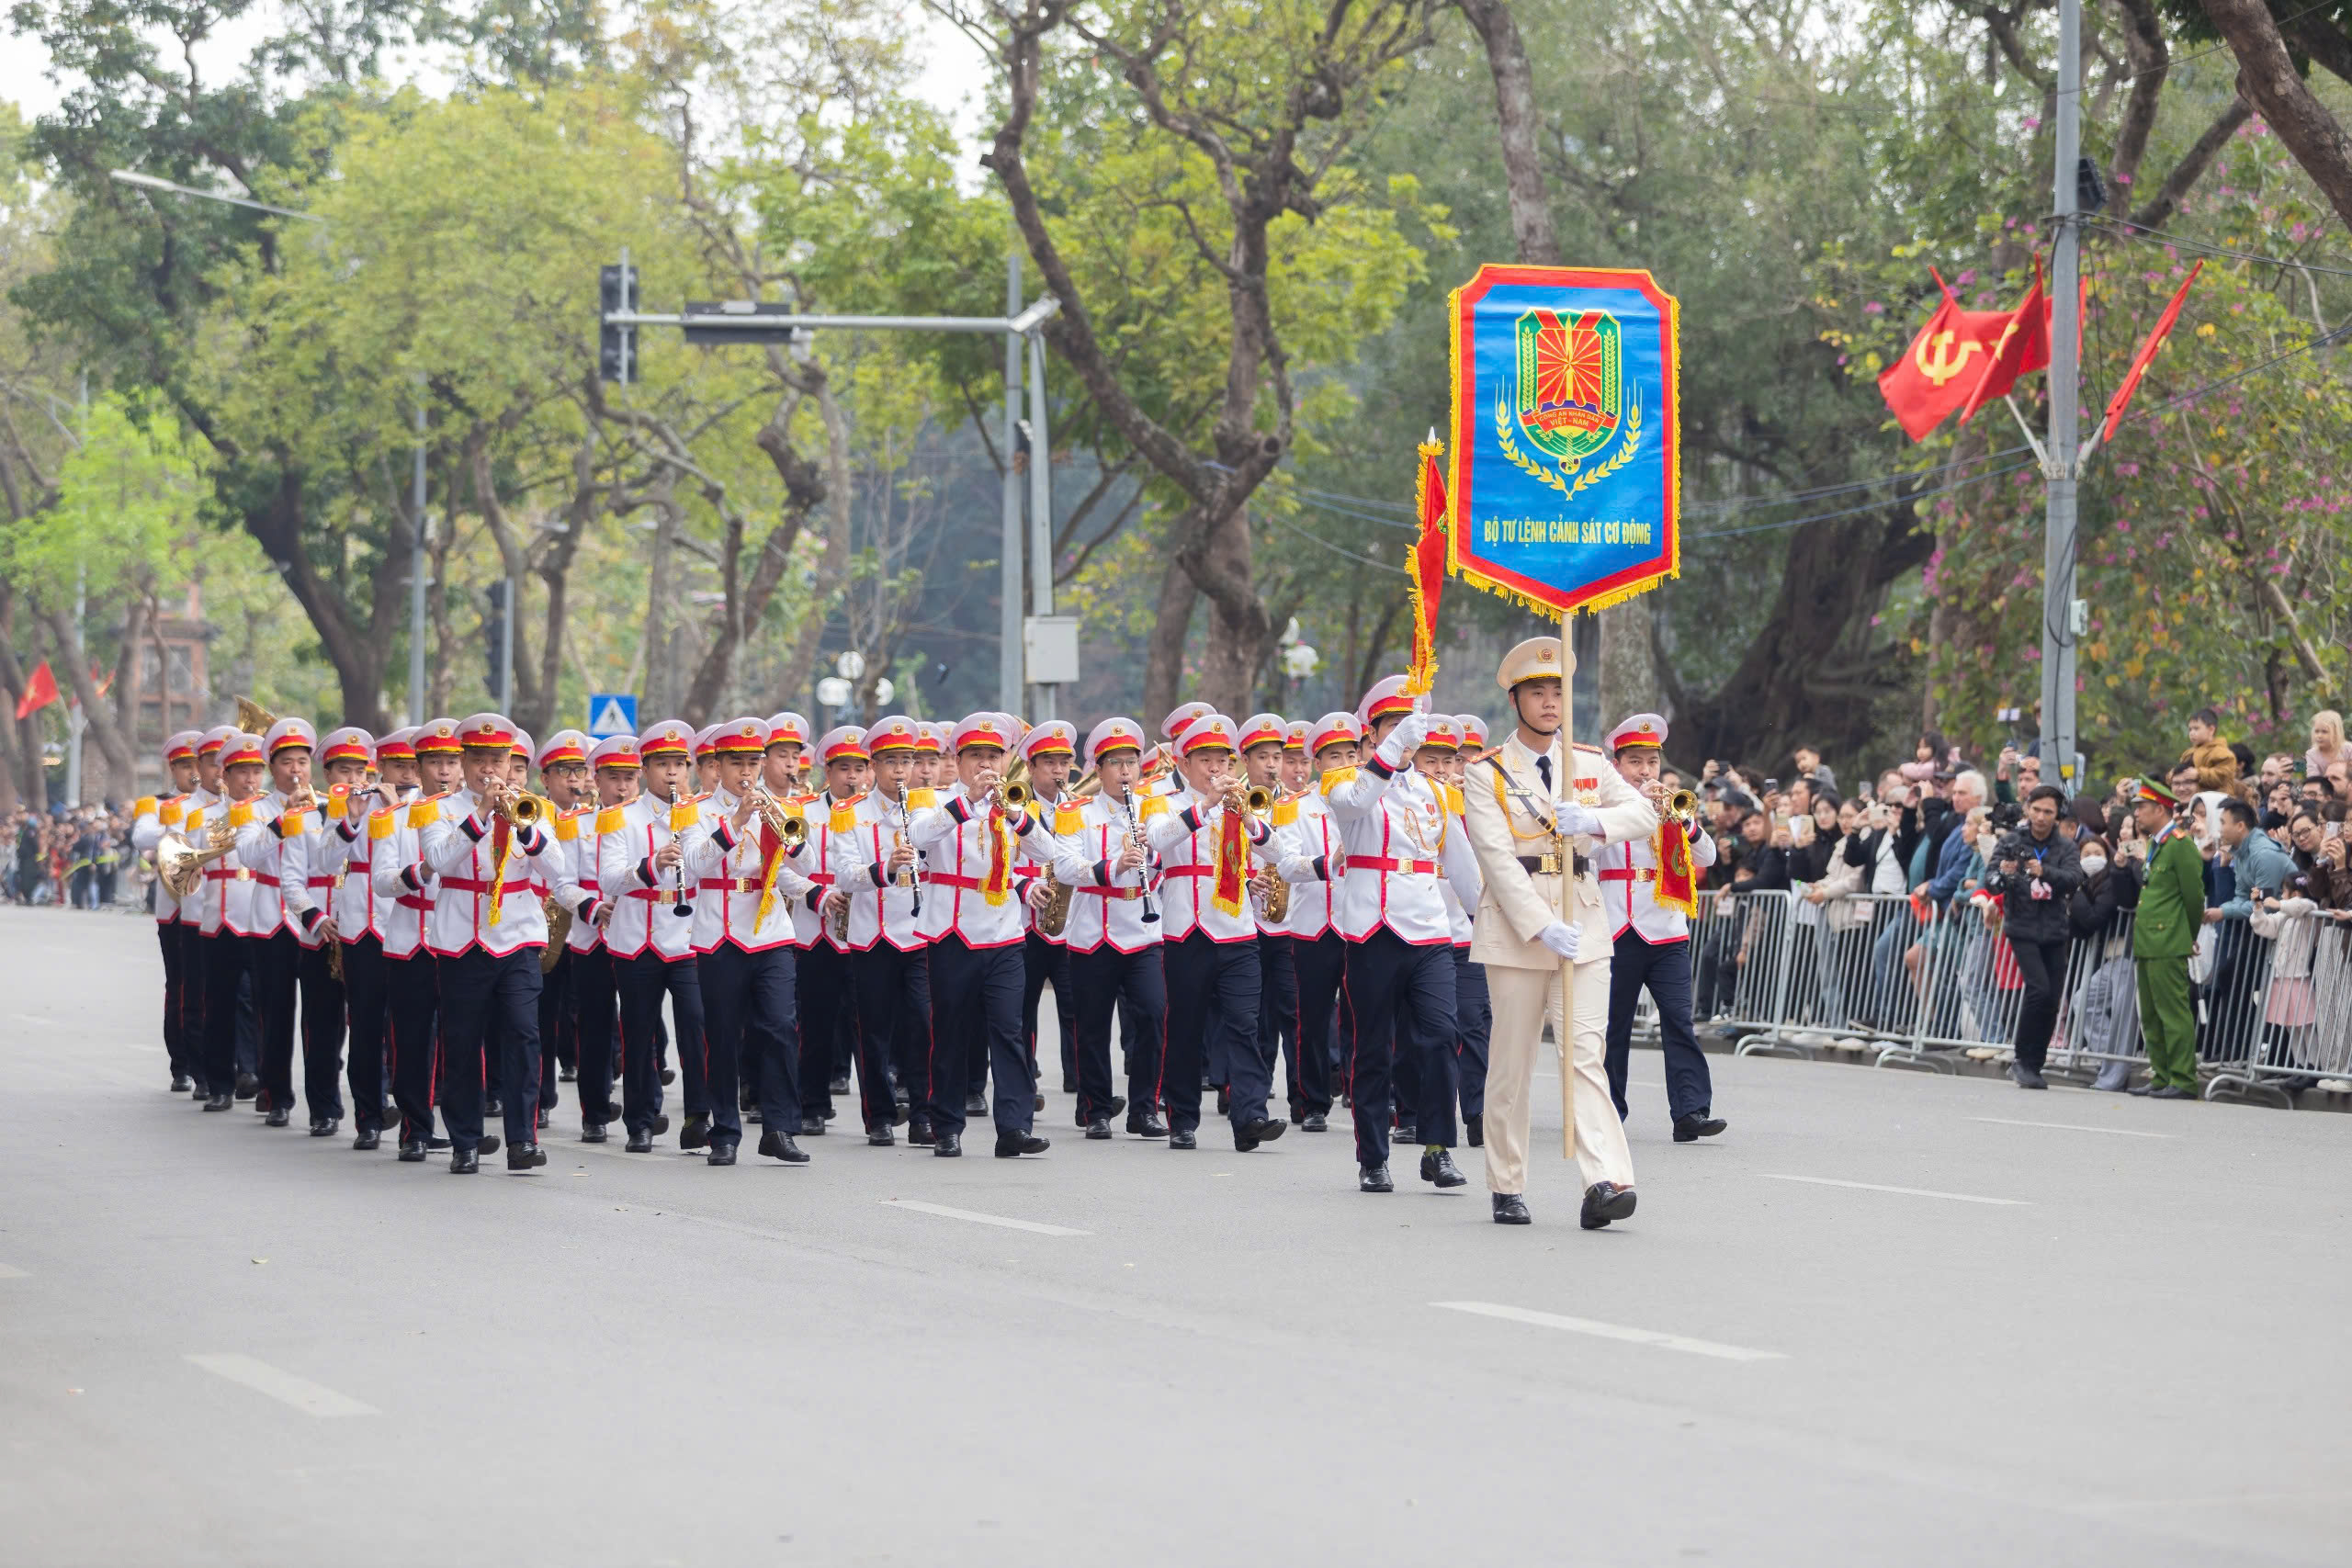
(611, 713)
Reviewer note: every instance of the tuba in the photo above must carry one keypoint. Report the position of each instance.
(253, 718)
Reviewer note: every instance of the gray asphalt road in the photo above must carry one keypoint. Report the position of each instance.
(1888, 1318)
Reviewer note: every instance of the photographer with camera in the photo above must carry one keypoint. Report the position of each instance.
(2036, 870)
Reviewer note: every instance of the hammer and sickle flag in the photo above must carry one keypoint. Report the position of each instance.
(1944, 364)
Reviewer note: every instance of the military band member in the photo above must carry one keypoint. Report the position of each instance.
(232, 916)
(613, 764)
(404, 887)
(486, 931)
(327, 918)
(256, 907)
(641, 870)
(1314, 859)
(1398, 998)
(1522, 803)
(568, 785)
(779, 774)
(1112, 934)
(829, 1037)
(1649, 886)
(972, 840)
(873, 861)
(151, 818)
(1051, 750)
(746, 881)
(1209, 846)
(706, 760)
(931, 769)
(306, 889)
(1473, 1012)
(1262, 738)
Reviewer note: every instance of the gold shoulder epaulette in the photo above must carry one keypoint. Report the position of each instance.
(612, 819)
(922, 799)
(684, 813)
(240, 813)
(1286, 813)
(844, 816)
(425, 813)
(567, 827)
(146, 804)
(1154, 804)
(379, 824)
(1068, 819)
(1334, 777)
(170, 813)
(1594, 749)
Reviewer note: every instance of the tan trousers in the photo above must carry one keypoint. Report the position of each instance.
(1523, 999)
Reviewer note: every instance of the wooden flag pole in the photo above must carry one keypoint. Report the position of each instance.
(1566, 793)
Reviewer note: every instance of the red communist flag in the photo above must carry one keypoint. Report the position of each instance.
(1931, 380)
(2022, 348)
(2140, 361)
(1425, 576)
(39, 691)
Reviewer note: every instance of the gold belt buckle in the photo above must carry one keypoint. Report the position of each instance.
(1552, 865)
(244, 876)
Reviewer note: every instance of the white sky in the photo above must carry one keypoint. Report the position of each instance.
(954, 73)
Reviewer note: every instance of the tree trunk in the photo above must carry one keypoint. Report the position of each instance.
(11, 688)
(1628, 667)
(2268, 79)
(358, 659)
(1242, 634)
(661, 685)
(96, 715)
(833, 566)
(1520, 123)
(1163, 670)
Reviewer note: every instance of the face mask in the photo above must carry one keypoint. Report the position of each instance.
(2094, 864)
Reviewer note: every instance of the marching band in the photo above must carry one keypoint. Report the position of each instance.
(884, 909)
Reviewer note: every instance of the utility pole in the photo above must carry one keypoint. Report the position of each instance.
(76, 721)
(1009, 659)
(1041, 510)
(2060, 614)
(418, 565)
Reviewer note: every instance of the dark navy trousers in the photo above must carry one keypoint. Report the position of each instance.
(1135, 983)
(486, 997)
(751, 1015)
(1398, 999)
(1213, 992)
(975, 1002)
(1474, 1020)
(1318, 962)
(1665, 968)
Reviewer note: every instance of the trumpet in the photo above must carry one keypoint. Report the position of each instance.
(519, 808)
(1682, 806)
(1015, 794)
(792, 829)
(1257, 800)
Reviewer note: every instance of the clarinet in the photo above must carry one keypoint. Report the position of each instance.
(1143, 874)
(913, 881)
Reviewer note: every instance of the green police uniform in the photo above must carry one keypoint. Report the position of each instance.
(2164, 933)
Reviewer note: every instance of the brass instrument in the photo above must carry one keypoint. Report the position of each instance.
(1089, 785)
(253, 718)
(1257, 800)
(558, 927)
(792, 829)
(179, 864)
(1682, 806)
(522, 811)
(1273, 894)
(335, 958)
(1014, 793)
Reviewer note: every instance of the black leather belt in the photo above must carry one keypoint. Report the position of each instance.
(1549, 866)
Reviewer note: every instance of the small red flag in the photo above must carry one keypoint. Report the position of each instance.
(1425, 576)
(2022, 348)
(39, 691)
(2140, 361)
(1930, 381)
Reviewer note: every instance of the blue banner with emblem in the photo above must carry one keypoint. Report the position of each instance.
(1565, 480)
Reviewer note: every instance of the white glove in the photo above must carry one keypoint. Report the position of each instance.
(1574, 819)
(1410, 731)
(1562, 938)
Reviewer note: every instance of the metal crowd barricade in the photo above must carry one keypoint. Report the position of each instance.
(1739, 964)
(1847, 986)
(2275, 1014)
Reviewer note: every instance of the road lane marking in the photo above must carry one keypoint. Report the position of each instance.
(1905, 1191)
(9, 1272)
(312, 1399)
(1613, 1331)
(1034, 1227)
(2071, 1127)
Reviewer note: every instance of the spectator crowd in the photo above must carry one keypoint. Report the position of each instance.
(71, 857)
(2004, 901)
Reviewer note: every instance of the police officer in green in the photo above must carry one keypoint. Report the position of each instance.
(2164, 933)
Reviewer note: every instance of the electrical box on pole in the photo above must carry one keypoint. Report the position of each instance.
(617, 344)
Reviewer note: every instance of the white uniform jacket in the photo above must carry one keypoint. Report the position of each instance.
(306, 862)
(644, 902)
(403, 883)
(1628, 875)
(857, 852)
(151, 819)
(732, 875)
(1053, 816)
(1106, 903)
(1313, 858)
(575, 851)
(460, 837)
(201, 908)
(348, 849)
(1511, 814)
(961, 843)
(808, 924)
(1401, 839)
(1183, 829)
(246, 880)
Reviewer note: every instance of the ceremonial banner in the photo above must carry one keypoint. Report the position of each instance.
(1565, 484)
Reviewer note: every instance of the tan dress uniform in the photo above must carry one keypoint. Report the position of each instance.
(1522, 975)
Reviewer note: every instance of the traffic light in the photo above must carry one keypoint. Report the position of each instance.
(616, 346)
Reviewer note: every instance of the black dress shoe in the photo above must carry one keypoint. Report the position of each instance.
(2171, 1091)
(1691, 1129)
(437, 1145)
(695, 1133)
(1146, 1124)
(1406, 1132)
(721, 1153)
(1374, 1178)
(543, 1119)
(1183, 1138)
(745, 1099)
(1264, 1130)
(593, 1133)
(412, 1152)
(669, 1075)
(464, 1162)
(180, 1083)
(201, 1092)
(1510, 1209)
(1224, 1101)
(248, 1086)
(1437, 1166)
(1118, 1104)
(276, 1117)
(567, 1074)
(899, 1095)
(2027, 1077)
(948, 1146)
(1474, 1134)
(1069, 1085)
(638, 1144)
(368, 1139)
(1604, 1201)
(880, 1136)
(525, 1157)
(489, 1144)
(1010, 1144)
(1099, 1129)
(1316, 1122)
(918, 1132)
(827, 1113)
(812, 1126)
(324, 1127)
(755, 1117)
(840, 1084)
(779, 1146)
(660, 1124)
(976, 1106)
(1297, 1115)
(217, 1102)
(493, 1106)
